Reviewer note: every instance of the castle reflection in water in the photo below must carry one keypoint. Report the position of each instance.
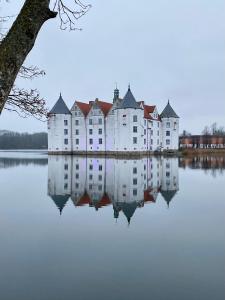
(124, 184)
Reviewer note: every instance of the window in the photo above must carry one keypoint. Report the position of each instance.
(135, 181)
(77, 167)
(90, 121)
(134, 192)
(167, 124)
(158, 132)
(100, 141)
(100, 121)
(77, 141)
(175, 125)
(90, 141)
(145, 122)
(134, 140)
(134, 118)
(65, 186)
(100, 167)
(90, 186)
(65, 122)
(77, 185)
(90, 131)
(77, 132)
(65, 176)
(144, 131)
(66, 167)
(66, 141)
(65, 131)
(167, 142)
(77, 176)
(167, 133)
(100, 131)
(145, 141)
(135, 129)
(157, 142)
(134, 170)
(167, 165)
(100, 187)
(158, 124)
(167, 174)
(151, 132)
(151, 141)
(90, 177)
(77, 122)
(90, 167)
(100, 177)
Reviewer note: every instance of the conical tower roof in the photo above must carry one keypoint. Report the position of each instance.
(60, 201)
(129, 101)
(60, 107)
(168, 112)
(168, 196)
(129, 210)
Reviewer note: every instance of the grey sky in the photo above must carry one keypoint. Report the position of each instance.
(165, 49)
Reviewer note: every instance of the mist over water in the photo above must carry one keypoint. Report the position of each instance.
(96, 228)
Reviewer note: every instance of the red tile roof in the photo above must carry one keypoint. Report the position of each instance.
(148, 197)
(148, 110)
(84, 107)
(104, 201)
(85, 199)
(104, 106)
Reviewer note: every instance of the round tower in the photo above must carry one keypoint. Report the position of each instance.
(129, 125)
(170, 128)
(59, 128)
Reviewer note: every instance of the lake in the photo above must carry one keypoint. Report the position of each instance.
(95, 228)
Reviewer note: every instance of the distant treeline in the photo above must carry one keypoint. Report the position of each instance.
(14, 140)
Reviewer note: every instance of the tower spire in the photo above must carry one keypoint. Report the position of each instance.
(116, 93)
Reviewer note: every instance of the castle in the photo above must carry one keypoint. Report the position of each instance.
(125, 126)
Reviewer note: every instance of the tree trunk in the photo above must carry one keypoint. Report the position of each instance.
(19, 41)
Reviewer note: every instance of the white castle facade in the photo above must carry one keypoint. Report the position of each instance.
(122, 127)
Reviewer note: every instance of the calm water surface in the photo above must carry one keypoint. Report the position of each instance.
(77, 228)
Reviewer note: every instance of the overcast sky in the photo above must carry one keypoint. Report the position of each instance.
(166, 49)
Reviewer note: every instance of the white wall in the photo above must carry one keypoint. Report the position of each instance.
(78, 129)
(124, 130)
(174, 133)
(56, 135)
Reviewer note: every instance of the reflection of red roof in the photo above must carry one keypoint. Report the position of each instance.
(104, 201)
(85, 199)
(105, 106)
(148, 197)
(84, 107)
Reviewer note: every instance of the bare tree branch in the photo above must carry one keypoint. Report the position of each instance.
(30, 72)
(27, 103)
(70, 14)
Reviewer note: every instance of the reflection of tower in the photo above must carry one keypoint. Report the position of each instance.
(170, 179)
(59, 179)
(128, 187)
(79, 179)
